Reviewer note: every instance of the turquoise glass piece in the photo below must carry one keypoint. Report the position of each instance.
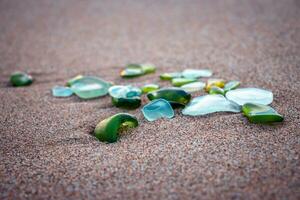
(177, 82)
(89, 87)
(170, 76)
(124, 91)
(196, 73)
(149, 88)
(157, 109)
(216, 90)
(259, 113)
(250, 95)
(18, 79)
(210, 104)
(231, 85)
(60, 91)
(193, 87)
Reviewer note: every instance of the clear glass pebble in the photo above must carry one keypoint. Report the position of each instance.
(250, 95)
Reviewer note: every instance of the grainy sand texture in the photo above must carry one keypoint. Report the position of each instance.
(46, 149)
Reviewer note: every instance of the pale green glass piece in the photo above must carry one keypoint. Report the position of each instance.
(231, 85)
(74, 79)
(89, 87)
(149, 88)
(259, 113)
(134, 70)
(216, 90)
(214, 82)
(196, 73)
(210, 104)
(177, 82)
(250, 95)
(170, 76)
(60, 91)
(193, 87)
(157, 109)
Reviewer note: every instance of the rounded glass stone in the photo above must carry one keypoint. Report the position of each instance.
(125, 96)
(259, 113)
(170, 76)
(250, 95)
(193, 87)
(210, 104)
(108, 129)
(216, 90)
(214, 82)
(89, 87)
(196, 73)
(60, 91)
(157, 109)
(231, 85)
(18, 79)
(177, 82)
(149, 88)
(175, 96)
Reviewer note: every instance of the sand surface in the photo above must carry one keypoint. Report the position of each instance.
(46, 151)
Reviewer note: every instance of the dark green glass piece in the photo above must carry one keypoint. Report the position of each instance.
(259, 113)
(216, 90)
(128, 103)
(175, 96)
(18, 79)
(108, 129)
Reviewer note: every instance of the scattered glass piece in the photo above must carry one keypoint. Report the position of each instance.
(149, 88)
(177, 82)
(250, 95)
(196, 73)
(157, 109)
(72, 80)
(89, 87)
(125, 96)
(209, 104)
(108, 129)
(259, 113)
(175, 96)
(231, 85)
(216, 90)
(60, 91)
(128, 103)
(134, 70)
(193, 87)
(18, 79)
(170, 76)
(214, 82)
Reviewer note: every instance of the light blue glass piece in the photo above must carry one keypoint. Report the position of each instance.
(60, 91)
(196, 73)
(193, 87)
(124, 91)
(89, 87)
(157, 109)
(209, 104)
(250, 95)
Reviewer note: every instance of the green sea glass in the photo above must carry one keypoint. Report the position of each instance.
(231, 85)
(18, 79)
(177, 82)
(216, 90)
(196, 73)
(72, 80)
(60, 91)
(175, 96)
(134, 70)
(108, 129)
(125, 96)
(149, 88)
(89, 87)
(259, 113)
(157, 109)
(214, 82)
(170, 76)
(193, 87)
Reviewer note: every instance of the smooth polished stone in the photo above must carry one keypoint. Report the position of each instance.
(108, 130)
(124, 91)
(177, 82)
(250, 95)
(259, 113)
(74, 79)
(193, 87)
(214, 82)
(60, 91)
(210, 104)
(170, 76)
(196, 73)
(231, 85)
(89, 87)
(157, 109)
(216, 90)
(175, 96)
(149, 88)
(18, 79)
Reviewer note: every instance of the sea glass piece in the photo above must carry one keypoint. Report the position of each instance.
(231, 85)
(259, 113)
(214, 82)
(89, 87)
(170, 76)
(175, 96)
(134, 70)
(177, 82)
(250, 95)
(125, 96)
(72, 80)
(210, 104)
(108, 130)
(157, 109)
(60, 91)
(128, 103)
(216, 90)
(193, 87)
(196, 73)
(148, 68)
(149, 88)
(18, 79)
